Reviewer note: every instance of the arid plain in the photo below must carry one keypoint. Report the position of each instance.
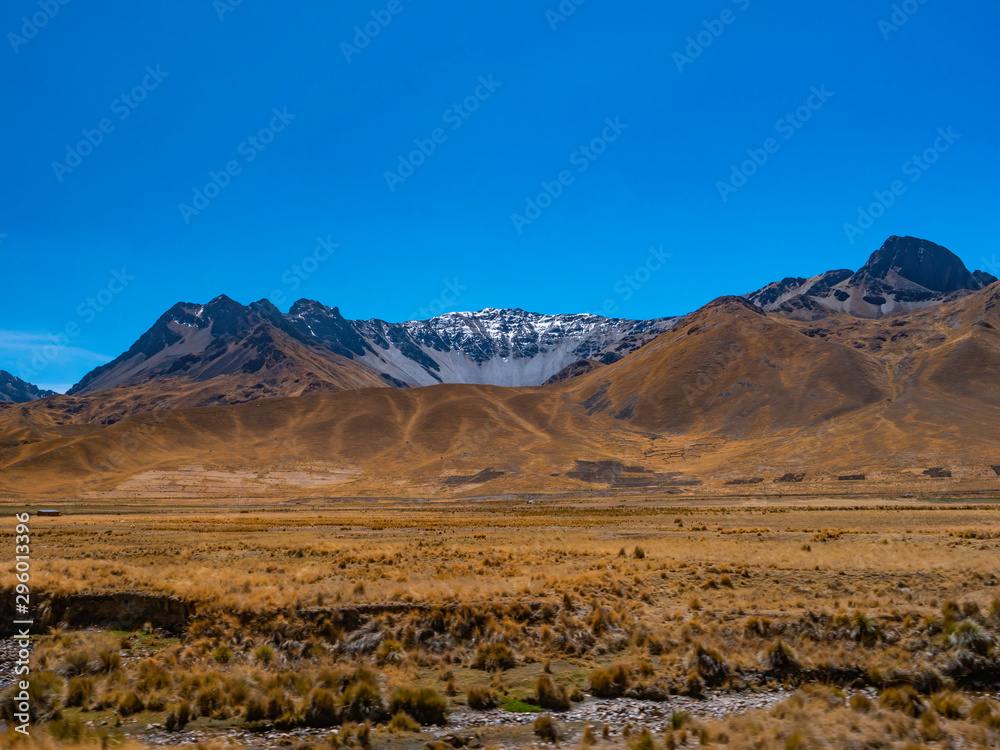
(748, 623)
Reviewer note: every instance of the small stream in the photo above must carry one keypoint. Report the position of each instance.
(616, 713)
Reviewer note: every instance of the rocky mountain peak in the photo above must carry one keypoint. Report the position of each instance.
(920, 262)
(906, 273)
(13, 390)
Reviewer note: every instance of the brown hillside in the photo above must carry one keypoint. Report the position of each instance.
(728, 402)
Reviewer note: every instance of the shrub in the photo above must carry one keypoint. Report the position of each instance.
(610, 683)
(949, 704)
(481, 698)
(929, 727)
(861, 703)
(678, 719)
(80, 692)
(760, 627)
(971, 637)
(130, 704)
(264, 654)
(222, 654)
(644, 741)
(494, 656)
(389, 652)
(950, 611)
(903, 699)
(546, 729)
(109, 660)
(423, 704)
(75, 663)
(210, 699)
(68, 730)
(277, 705)
(401, 722)
(361, 698)
(864, 629)
(152, 677)
(256, 710)
(639, 553)
(781, 658)
(363, 735)
(45, 698)
(982, 712)
(694, 685)
(323, 709)
(709, 665)
(550, 695)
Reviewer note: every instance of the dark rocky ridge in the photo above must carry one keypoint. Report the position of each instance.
(906, 273)
(13, 390)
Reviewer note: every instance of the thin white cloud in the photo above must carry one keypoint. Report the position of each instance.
(20, 345)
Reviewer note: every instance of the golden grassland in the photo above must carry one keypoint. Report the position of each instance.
(376, 617)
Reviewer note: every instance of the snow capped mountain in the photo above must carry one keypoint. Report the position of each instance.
(13, 390)
(906, 273)
(489, 347)
(314, 347)
(503, 347)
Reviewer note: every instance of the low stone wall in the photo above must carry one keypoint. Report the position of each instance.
(120, 611)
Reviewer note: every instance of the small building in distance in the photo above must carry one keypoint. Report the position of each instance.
(47, 513)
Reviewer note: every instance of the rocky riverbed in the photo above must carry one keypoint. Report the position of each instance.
(9, 649)
(465, 727)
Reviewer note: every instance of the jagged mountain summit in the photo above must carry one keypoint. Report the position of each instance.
(13, 390)
(487, 347)
(906, 273)
(252, 351)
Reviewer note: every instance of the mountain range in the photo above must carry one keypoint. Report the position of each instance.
(905, 274)
(13, 390)
(885, 375)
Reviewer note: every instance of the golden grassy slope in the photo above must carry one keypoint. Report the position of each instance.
(729, 395)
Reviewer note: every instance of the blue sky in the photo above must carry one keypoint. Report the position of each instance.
(315, 133)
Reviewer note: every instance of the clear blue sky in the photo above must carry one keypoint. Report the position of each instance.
(443, 237)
